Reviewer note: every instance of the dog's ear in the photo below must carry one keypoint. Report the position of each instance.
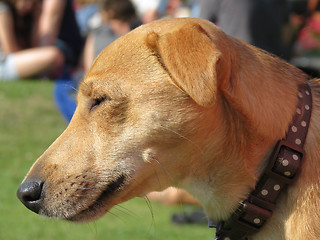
(192, 60)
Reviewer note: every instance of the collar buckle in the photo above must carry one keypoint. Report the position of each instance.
(247, 219)
(276, 167)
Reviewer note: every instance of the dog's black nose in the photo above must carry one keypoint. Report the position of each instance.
(30, 194)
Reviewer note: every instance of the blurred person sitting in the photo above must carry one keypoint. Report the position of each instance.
(118, 18)
(19, 58)
(58, 27)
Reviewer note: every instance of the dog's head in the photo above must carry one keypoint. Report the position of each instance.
(149, 115)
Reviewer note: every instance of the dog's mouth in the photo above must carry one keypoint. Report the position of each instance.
(92, 210)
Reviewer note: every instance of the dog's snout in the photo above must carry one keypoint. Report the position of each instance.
(30, 194)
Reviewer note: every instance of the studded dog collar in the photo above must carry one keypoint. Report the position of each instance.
(282, 169)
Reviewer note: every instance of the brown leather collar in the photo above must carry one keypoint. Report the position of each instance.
(282, 169)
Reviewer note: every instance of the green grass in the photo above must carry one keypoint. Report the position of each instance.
(29, 123)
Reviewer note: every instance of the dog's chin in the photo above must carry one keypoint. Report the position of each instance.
(102, 204)
(94, 212)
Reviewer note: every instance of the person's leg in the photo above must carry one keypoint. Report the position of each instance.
(65, 97)
(8, 71)
(35, 61)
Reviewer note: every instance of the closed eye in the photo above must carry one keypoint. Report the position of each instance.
(98, 101)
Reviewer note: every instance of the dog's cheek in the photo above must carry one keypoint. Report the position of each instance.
(148, 155)
(158, 169)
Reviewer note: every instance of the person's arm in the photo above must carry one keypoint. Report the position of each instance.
(8, 41)
(88, 53)
(49, 21)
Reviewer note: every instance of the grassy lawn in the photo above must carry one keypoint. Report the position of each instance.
(29, 122)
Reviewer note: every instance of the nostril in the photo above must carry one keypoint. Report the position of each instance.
(30, 193)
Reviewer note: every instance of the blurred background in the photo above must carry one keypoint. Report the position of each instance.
(47, 46)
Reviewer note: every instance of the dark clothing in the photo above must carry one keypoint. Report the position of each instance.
(70, 39)
(267, 20)
(258, 22)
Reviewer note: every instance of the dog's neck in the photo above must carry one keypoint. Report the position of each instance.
(256, 130)
(281, 171)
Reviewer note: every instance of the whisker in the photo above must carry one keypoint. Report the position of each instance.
(83, 195)
(91, 179)
(187, 139)
(93, 182)
(89, 173)
(95, 188)
(147, 200)
(127, 211)
(180, 135)
(75, 89)
(163, 168)
(95, 230)
(120, 218)
(155, 173)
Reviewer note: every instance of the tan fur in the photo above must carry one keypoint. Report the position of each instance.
(187, 106)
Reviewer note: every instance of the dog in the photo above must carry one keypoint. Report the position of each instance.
(179, 103)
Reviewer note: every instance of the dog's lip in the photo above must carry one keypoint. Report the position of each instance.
(100, 202)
